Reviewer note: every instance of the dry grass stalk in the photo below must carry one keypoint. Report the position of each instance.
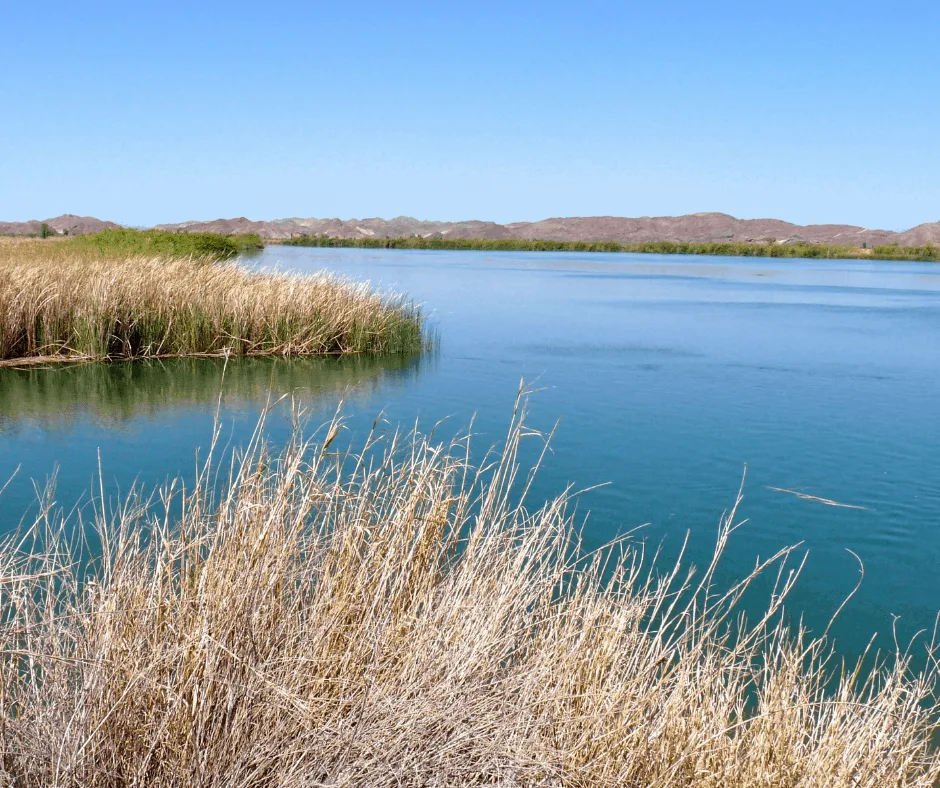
(75, 308)
(397, 619)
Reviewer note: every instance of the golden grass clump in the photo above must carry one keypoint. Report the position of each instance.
(397, 619)
(72, 307)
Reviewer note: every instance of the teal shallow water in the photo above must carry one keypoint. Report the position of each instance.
(669, 375)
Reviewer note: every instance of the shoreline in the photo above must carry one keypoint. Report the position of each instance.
(775, 250)
(38, 361)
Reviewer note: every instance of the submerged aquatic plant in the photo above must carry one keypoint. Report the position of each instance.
(397, 618)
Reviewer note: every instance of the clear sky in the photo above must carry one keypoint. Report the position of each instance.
(161, 112)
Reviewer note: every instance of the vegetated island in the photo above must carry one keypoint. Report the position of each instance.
(314, 616)
(125, 294)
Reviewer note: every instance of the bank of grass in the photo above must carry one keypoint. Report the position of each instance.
(402, 620)
(125, 242)
(67, 300)
(893, 252)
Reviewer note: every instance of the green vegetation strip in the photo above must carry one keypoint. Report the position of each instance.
(893, 252)
(123, 243)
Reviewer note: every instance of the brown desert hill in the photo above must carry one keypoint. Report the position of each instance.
(692, 228)
(921, 235)
(238, 226)
(399, 227)
(67, 224)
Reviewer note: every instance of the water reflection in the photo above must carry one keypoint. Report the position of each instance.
(111, 395)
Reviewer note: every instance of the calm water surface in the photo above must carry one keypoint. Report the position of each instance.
(669, 375)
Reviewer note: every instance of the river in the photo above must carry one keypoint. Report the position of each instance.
(666, 376)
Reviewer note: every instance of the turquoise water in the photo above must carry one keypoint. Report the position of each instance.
(669, 376)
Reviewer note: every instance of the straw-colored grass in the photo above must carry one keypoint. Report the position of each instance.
(399, 620)
(62, 306)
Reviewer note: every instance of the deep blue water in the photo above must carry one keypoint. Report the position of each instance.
(669, 375)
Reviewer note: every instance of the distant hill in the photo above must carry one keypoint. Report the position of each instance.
(921, 235)
(696, 227)
(67, 224)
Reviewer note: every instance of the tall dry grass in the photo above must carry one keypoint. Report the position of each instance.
(56, 304)
(398, 619)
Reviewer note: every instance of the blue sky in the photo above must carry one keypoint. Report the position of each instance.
(145, 112)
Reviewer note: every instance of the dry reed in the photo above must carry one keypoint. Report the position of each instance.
(397, 619)
(56, 305)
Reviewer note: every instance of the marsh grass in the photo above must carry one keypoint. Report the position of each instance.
(119, 244)
(728, 249)
(397, 618)
(124, 242)
(151, 243)
(55, 305)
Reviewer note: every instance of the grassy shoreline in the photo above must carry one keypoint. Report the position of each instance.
(125, 295)
(122, 243)
(781, 250)
(397, 618)
(161, 243)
